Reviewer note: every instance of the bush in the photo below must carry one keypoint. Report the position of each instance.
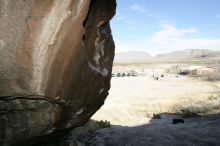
(104, 124)
(187, 113)
(156, 116)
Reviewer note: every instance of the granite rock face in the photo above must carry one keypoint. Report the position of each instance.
(55, 65)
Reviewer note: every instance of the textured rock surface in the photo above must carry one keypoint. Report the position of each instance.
(55, 65)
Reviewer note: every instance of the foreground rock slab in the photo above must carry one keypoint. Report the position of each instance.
(55, 65)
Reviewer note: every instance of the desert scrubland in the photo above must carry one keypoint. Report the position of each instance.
(157, 87)
(146, 96)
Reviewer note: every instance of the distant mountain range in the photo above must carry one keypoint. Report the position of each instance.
(191, 53)
(183, 54)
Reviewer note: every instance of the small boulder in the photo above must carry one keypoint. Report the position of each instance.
(176, 121)
(118, 74)
(123, 74)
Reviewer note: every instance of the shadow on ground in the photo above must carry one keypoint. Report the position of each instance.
(195, 131)
(201, 131)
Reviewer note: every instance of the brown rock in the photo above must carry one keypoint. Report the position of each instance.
(55, 65)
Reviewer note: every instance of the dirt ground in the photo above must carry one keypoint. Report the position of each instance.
(133, 103)
(132, 99)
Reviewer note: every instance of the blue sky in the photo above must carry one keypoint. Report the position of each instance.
(160, 26)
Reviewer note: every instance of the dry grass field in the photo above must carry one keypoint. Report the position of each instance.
(140, 108)
(133, 99)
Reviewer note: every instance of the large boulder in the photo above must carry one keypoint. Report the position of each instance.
(55, 65)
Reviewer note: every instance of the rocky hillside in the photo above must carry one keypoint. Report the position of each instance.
(184, 54)
(191, 53)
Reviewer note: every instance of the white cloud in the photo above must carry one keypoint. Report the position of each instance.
(169, 34)
(167, 39)
(138, 8)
